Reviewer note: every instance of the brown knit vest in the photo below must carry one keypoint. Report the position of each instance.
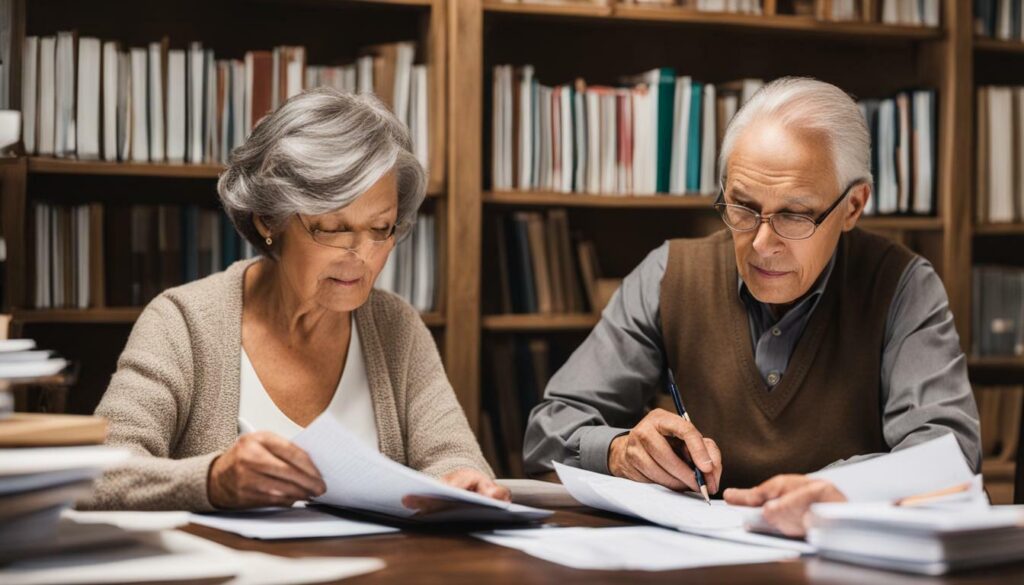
(828, 404)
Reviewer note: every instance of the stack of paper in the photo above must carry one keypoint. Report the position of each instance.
(283, 523)
(149, 550)
(930, 541)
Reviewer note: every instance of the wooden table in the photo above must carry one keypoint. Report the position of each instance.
(438, 556)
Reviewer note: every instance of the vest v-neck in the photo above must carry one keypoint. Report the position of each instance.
(773, 400)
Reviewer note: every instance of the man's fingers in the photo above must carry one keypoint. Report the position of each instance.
(714, 480)
(645, 464)
(658, 447)
(743, 497)
(674, 426)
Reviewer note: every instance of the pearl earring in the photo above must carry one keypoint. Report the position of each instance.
(270, 241)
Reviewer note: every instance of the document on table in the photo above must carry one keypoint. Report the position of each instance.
(668, 508)
(923, 468)
(361, 478)
(631, 548)
(282, 523)
(172, 555)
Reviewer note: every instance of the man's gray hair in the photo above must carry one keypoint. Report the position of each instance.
(316, 154)
(806, 104)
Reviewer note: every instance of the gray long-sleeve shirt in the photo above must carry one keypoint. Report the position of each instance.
(607, 383)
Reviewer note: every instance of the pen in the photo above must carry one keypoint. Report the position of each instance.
(674, 391)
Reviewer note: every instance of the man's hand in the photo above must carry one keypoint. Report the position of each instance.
(786, 500)
(650, 453)
(262, 469)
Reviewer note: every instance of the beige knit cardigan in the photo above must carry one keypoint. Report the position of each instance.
(174, 398)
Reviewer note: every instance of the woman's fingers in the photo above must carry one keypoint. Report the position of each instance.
(475, 481)
(304, 472)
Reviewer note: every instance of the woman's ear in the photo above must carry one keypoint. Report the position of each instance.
(261, 227)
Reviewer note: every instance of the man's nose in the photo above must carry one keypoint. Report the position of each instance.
(766, 241)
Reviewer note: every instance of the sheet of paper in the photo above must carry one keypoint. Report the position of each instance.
(281, 523)
(634, 548)
(174, 556)
(667, 508)
(923, 468)
(362, 478)
(130, 521)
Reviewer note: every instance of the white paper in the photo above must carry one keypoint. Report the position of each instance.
(634, 548)
(46, 459)
(130, 521)
(362, 478)
(173, 556)
(281, 523)
(923, 468)
(660, 505)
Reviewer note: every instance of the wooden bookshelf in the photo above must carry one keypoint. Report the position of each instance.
(540, 323)
(316, 25)
(602, 201)
(988, 45)
(784, 24)
(999, 229)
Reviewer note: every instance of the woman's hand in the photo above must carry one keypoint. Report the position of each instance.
(786, 500)
(467, 479)
(262, 469)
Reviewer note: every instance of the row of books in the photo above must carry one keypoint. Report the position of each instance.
(657, 133)
(542, 268)
(92, 99)
(411, 269)
(733, 6)
(93, 255)
(1000, 152)
(903, 152)
(998, 311)
(999, 19)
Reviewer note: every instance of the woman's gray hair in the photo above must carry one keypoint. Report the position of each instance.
(802, 103)
(315, 154)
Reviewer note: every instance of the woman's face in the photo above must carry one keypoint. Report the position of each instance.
(335, 278)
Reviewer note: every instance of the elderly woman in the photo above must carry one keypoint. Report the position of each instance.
(220, 373)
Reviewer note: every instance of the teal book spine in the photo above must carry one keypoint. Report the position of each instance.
(666, 119)
(694, 141)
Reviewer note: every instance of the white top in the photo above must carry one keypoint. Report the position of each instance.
(351, 404)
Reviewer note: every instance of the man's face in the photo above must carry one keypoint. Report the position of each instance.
(774, 169)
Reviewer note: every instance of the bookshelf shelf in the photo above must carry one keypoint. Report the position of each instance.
(990, 45)
(538, 198)
(999, 229)
(115, 315)
(793, 25)
(549, 322)
(901, 223)
(996, 363)
(39, 165)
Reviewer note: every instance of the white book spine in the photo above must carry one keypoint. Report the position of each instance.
(110, 83)
(526, 137)
(156, 103)
(139, 99)
(176, 111)
(47, 95)
(593, 100)
(88, 103)
(250, 71)
(567, 140)
(65, 132)
(29, 86)
(420, 116)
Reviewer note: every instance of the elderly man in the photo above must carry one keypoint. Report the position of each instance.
(798, 341)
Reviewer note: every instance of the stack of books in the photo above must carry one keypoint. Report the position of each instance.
(47, 462)
(1000, 154)
(908, 12)
(92, 99)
